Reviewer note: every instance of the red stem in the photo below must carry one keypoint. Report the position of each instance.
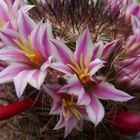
(14, 109)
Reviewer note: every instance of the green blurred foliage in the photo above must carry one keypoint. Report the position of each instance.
(32, 2)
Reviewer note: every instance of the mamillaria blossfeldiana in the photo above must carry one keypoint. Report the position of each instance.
(81, 55)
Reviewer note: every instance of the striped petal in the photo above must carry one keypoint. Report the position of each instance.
(95, 111)
(37, 39)
(70, 124)
(62, 68)
(95, 65)
(4, 12)
(8, 74)
(61, 123)
(25, 25)
(21, 80)
(74, 87)
(46, 64)
(107, 91)
(61, 52)
(8, 36)
(10, 54)
(37, 79)
(84, 47)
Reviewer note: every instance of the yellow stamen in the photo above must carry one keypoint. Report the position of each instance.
(81, 70)
(75, 63)
(81, 62)
(73, 68)
(72, 107)
(2, 22)
(34, 57)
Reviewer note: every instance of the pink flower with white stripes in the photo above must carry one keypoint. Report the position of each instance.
(81, 68)
(65, 105)
(9, 11)
(27, 52)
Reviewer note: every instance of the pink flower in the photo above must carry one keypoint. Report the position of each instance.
(81, 69)
(136, 27)
(127, 70)
(9, 10)
(27, 52)
(133, 8)
(65, 105)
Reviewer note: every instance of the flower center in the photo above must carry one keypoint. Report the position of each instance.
(2, 22)
(81, 70)
(33, 56)
(70, 106)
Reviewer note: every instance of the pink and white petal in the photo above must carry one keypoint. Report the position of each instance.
(4, 12)
(135, 24)
(110, 47)
(84, 47)
(55, 108)
(25, 25)
(97, 50)
(95, 65)
(83, 98)
(37, 79)
(16, 6)
(46, 64)
(74, 87)
(61, 123)
(62, 68)
(44, 40)
(26, 8)
(9, 3)
(70, 124)
(95, 111)
(21, 80)
(11, 25)
(61, 52)
(52, 91)
(8, 36)
(107, 91)
(8, 73)
(46, 36)
(10, 54)
(36, 38)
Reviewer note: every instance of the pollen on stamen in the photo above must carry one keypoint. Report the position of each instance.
(2, 22)
(33, 56)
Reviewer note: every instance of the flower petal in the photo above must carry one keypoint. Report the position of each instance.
(16, 6)
(46, 64)
(4, 12)
(107, 91)
(20, 81)
(62, 68)
(84, 47)
(95, 111)
(25, 25)
(70, 124)
(52, 91)
(10, 54)
(61, 123)
(95, 65)
(110, 48)
(37, 79)
(46, 36)
(61, 52)
(8, 36)
(8, 74)
(26, 8)
(74, 87)
(37, 38)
